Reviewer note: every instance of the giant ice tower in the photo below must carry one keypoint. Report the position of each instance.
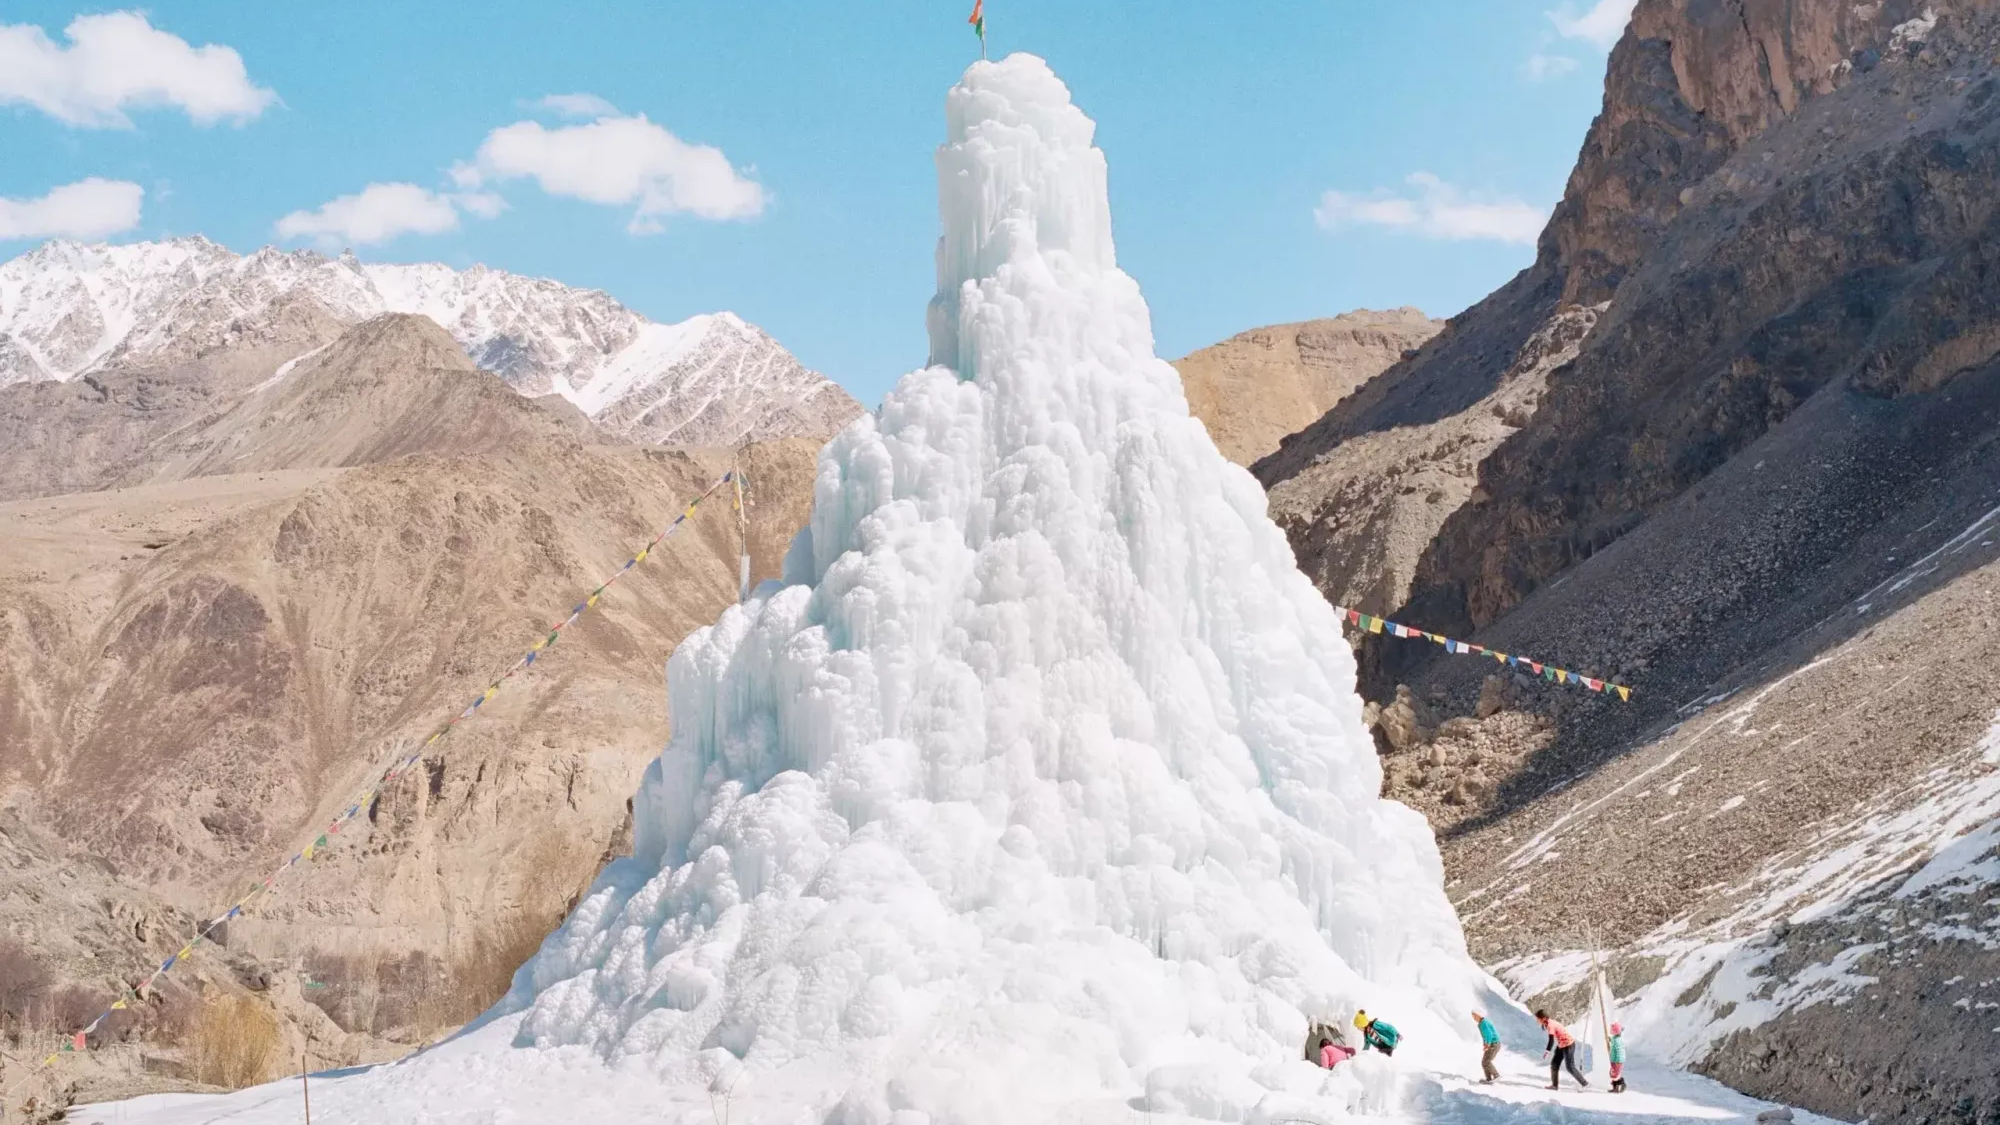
(1037, 790)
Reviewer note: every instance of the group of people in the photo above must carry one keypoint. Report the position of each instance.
(1559, 1052)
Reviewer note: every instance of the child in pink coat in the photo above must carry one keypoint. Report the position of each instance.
(1332, 1054)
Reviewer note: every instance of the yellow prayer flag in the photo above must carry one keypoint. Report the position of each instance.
(1374, 624)
(50, 1061)
(1562, 676)
(1624, 692)
(118, 1005)
(591, 600)
(641, 556)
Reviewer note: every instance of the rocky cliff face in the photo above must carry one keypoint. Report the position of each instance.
(1761, 491)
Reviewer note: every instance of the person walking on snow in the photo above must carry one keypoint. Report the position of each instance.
(1560, 1052)
(1490, 1042)
(1332, 1054)
(1617, 1058)
(1376, 1033)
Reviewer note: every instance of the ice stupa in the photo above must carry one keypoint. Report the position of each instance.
(1039, 781)
(1036, 791)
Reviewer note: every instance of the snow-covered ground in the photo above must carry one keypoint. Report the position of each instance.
(471, 1081)
(1037, 792)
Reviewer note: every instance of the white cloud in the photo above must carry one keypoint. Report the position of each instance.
(120, 60)
(579, 105)
(1434, 210)
(618, 161)
(378, 213)
(1541, 68)
(1602, 24)
(483, 204)
(87, 209)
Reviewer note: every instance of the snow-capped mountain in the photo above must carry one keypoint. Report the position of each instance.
(68, 309)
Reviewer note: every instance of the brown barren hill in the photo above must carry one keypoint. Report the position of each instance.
(197, 673)
(1257, 386)
(388, 387)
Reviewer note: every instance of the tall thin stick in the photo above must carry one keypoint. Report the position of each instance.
(1600, 990)
(742, 529)
(305, 1087)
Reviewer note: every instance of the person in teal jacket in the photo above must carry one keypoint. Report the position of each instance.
(1490, 1043)
(1617, 1058)
(1377, 1033)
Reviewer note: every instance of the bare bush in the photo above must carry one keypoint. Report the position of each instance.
(68, 1008)
(482, 974)
(231, 1042)
(415, 993)
(333, 985)
(24, 982)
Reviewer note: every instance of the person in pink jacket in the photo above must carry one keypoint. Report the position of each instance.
(1560, 1053)
(1332, 1054)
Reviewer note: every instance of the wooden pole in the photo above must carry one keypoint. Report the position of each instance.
(742, 530)
(305, 1087)
(1599, 991)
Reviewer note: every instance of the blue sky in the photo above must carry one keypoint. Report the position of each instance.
(1269, 162)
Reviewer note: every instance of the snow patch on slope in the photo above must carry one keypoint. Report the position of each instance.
(656, 347)
(1938, 836)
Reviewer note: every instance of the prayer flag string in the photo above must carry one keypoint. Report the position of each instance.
(1548, 672)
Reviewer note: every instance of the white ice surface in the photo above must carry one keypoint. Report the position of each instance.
(1037, 791)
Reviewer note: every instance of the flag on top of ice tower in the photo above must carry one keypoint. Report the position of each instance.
(978, 21)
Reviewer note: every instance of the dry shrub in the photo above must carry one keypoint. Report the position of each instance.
(418, 993)
(482, 974)
(68, 1008)
(551, 874)
(231, 1042)
(24, 982)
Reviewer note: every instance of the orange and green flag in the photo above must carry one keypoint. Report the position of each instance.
(978, 21)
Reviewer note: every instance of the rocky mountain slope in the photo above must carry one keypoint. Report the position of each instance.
(1760, 487)
(1257, 386)
(70, 310)
(201, 667)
